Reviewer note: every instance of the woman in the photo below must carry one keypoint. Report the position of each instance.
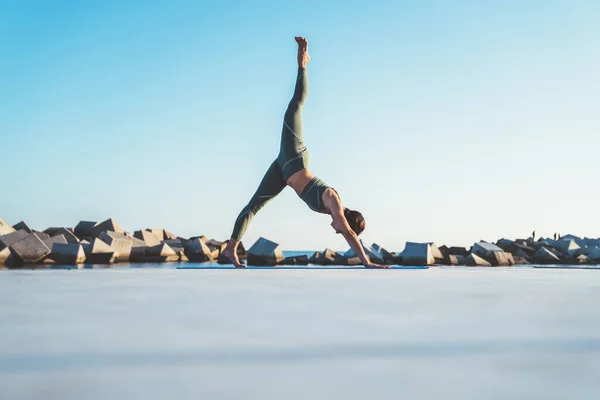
(291, 168)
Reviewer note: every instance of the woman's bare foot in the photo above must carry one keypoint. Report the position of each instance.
(303, 57)
(229, 256)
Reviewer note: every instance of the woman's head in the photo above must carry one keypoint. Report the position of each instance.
(355, 220)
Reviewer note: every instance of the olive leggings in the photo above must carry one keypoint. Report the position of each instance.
(293, 157)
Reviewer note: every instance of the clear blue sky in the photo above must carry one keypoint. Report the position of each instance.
(445, 121)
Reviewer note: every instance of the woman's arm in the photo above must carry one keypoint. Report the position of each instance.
(333, 203)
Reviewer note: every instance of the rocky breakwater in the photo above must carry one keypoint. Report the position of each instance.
(106, 242)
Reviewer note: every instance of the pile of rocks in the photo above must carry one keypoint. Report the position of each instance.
(107, 243)
(102, 243)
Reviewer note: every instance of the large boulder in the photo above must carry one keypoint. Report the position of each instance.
(417, 254)
(387, 257)
(483, 249)
(109, 225)
(493, 254)
(9, 239)
(374, 252)
(30, 249)
(438, 256)
(458, 251)
(5, 227)
(197, 251)
(521, 260)
(582, 259)
(473, 260)
(22, 226)
(159, 233)
(501, 258)
(265, 252)
(148, 237)
(49, 242)
(592, 253)
(580, 242)
(98, 252)
(216, 246)
(120, 243)
(313, 259)
(567, 246)
(83, 230)
(169, 236)
(545, 256)
(161, 253)
(456, 260)
(6, 257)
(67, 253)
(522, 254)
(330, 257)
(67, 233)
(296, 260)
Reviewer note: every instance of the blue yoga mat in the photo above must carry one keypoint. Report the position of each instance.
(311, 267)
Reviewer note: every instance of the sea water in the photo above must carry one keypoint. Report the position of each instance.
(163, 333)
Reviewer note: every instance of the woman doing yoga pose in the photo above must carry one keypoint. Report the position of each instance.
(291, 168)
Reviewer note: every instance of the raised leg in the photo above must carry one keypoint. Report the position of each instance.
(293, 155)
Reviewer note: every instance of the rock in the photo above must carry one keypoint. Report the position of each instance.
(417, 254)
(583, 259)
(21, 226)
(55, 239)
(507, 245)
(68, 235)
(473, 260)
(109, 225)
(492, 254)
(148, 237)
(388, 258)
(545, 256)
(197, 251)
(265, 252)
(120, 243)
(203, 238)
(9, 239)
(6, 257)
(556, 252)
(330, 257)
(580, 242)
(215, 245)
(159, 233)
(169, 236)
(313, 259)
(444, 251)
(591, 242)
(593, 253)
(436, 253)
(456, 260)
(30, 249)
(373, 252)
(567, 246)
(521, 260)
(296, 260)
(98, 252)
(161, 253)
(84, 229)
(174, 243)
(458, 251)
(522, 254)
(483, 249)
(5, 227)
(67, 253)
(501, 258)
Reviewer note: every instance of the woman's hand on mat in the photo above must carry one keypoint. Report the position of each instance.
(373, 265)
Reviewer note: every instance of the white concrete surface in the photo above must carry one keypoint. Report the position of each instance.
(448, 333)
